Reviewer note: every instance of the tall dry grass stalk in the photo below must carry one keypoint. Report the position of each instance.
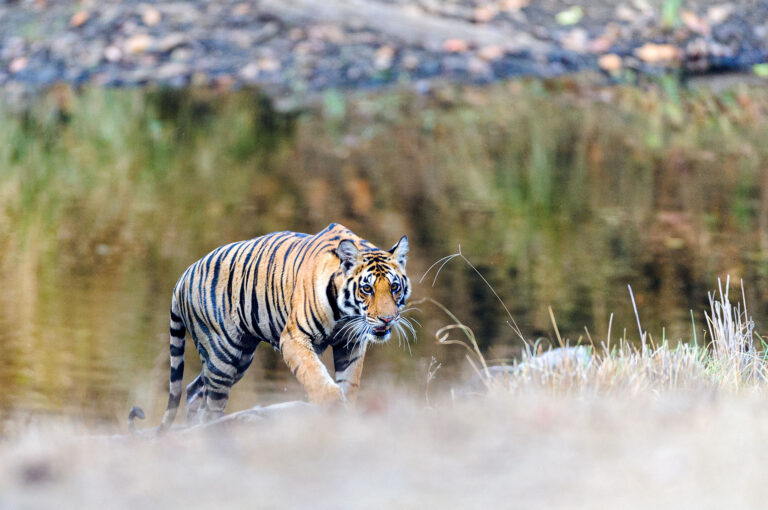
(730, 360)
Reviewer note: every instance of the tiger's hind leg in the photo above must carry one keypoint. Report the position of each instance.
(216, 395)
(195, 399)
(218, 384)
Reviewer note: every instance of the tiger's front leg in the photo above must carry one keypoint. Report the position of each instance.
(300, 357)
(348, 364)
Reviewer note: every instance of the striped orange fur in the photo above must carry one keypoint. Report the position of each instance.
(300, 293)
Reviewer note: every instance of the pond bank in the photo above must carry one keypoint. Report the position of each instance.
(294, 48)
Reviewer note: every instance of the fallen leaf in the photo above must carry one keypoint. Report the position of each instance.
(138, 44)
(492, 52)
(513, 5)
(610, 62)
(485, 13)
(695, 23)
(657, 53)
(570, 16)
(760, 70)
(455, 45)
(79, 18)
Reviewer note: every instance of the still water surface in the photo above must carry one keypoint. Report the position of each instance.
(559, 200)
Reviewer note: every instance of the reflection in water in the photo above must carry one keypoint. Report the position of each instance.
(560, 197)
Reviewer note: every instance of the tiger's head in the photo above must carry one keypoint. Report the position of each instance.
(373, 291)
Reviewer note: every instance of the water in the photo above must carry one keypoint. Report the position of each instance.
(560, 197)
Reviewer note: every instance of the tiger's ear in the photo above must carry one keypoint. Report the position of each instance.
(347, 252)
(400, 251)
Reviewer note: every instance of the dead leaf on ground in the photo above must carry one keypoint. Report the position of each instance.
(658, 53)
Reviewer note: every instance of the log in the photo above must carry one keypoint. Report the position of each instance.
(409, 24)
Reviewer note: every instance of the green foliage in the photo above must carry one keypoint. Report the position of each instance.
(670, 14)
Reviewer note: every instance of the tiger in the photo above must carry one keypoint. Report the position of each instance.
(298, 292)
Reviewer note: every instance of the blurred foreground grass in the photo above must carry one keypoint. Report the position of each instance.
(653, 426)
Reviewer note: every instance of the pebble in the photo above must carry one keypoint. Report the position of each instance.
(18, 64)
(719, 13)
(169, 42)
(113, 53)
(151, 16)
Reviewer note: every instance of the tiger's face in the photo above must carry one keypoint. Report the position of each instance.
(374, 291)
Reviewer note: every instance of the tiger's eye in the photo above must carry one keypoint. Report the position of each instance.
(367, 289)
(395, 287)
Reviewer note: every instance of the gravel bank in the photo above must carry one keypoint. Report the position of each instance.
(294, 47)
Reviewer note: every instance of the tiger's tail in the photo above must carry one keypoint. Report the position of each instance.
(178, 335)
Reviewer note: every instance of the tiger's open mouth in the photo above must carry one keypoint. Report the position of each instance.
(381, 330)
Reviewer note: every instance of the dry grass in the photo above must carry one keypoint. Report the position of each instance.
(647, 426)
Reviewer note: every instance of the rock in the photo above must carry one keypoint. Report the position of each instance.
(79, 18)
(490, 53)
(151, 16)
(269, 64)
(170, 70)
(181, 54)
(383, 58)
(170, 42)
(241, 9)
(626, 13)
(719, 13)
(576, 40)
(410, 61)
(558, 359)
(479, 67)
(113, 53)
(254, 415)
(249, 72)
(18, 64)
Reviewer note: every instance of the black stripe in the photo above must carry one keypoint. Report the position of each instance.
(341, 365)
(175, 318)
(216, 395)
(178, 372)
(178, 332)
(177, 351)
(330, 293)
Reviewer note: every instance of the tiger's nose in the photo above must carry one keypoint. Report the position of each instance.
(386, 319)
